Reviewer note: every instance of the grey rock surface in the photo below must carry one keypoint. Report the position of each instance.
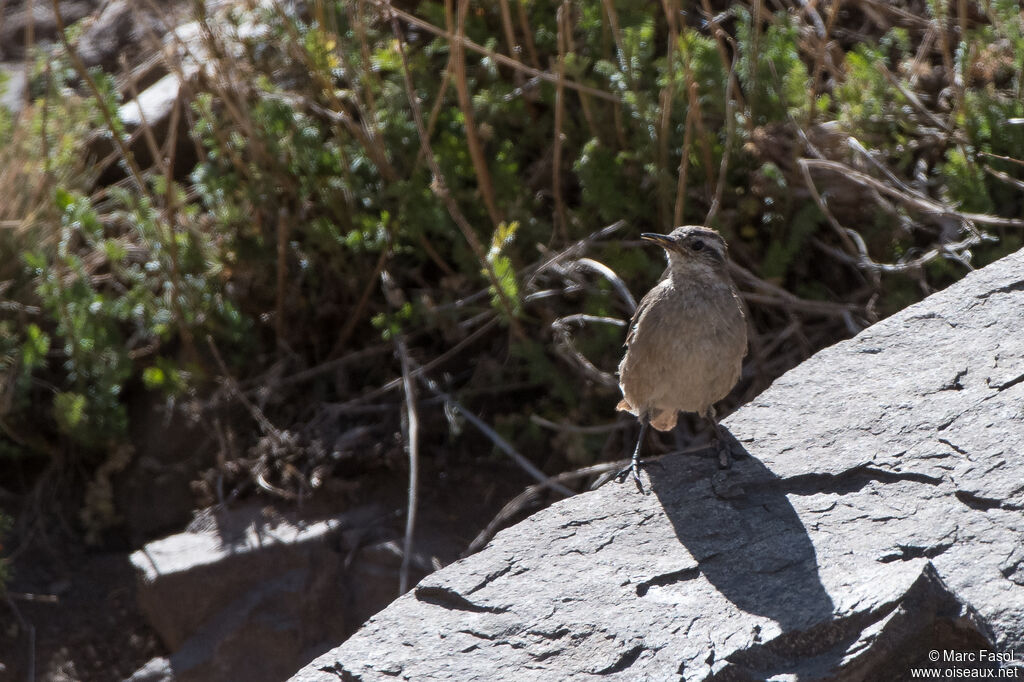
(244, 596)
(119, 28)
(156, 670)
(20, 20)
(12, 86)
(878, 517)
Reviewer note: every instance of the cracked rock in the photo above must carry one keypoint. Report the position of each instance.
(878, 518)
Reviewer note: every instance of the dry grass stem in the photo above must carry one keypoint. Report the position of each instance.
(231, 384)
(524, 26)
(530, 495)
(356, 315)
(730, 131)
(282, 277)
(440, 189)
(604, 271)
(496, 56)
(561, 229)
(915, 201)
(514, 50)
(721, 37)
(824, 33)
(684, 159)
(573, 428)
(476, 153)
(502, 444)
(567, 350)
(666, 98)
(436, 362)
(396, 299)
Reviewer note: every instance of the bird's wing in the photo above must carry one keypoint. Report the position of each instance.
(644, 304)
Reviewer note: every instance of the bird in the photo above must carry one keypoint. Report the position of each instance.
(686, 342)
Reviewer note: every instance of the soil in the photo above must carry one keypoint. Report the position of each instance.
(81, 606)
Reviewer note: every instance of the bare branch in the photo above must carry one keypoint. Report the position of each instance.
(529, 496)
(502, 444)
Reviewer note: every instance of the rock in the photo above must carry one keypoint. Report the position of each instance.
(877, 518)
(153, 105)
(157, 670)
(120, 28)
(244, 596)
(12, 86)
(16, 20)
(169, 83)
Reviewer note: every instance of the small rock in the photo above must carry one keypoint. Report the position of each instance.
(243, 596)
(156, 670)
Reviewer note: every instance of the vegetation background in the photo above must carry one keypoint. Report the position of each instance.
(378, 230)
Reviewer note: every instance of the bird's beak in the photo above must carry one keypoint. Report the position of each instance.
(662, 240)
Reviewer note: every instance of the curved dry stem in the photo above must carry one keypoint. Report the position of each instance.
(566, 349)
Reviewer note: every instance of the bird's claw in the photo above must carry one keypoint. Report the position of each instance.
(634, 469)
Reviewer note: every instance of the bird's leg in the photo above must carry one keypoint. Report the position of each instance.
(681, 441)
(718, 442)
(634, 465)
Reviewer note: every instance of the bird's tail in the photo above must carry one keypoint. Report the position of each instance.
(662, 420)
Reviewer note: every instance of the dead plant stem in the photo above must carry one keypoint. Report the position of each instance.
(476, 152)
(496, 56)
(396, 299)
(440, 188)
(561, 229)
(502, 444)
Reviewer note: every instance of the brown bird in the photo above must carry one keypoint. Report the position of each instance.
(686, 342)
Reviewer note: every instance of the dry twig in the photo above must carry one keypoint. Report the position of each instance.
(573, 428)
(730, 131)
(476, 153)
(440, 188)
(502, 444)
(530, 495)
(496, 56)
(412, 436)
(567, 349)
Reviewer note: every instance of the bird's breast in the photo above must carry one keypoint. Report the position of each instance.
(686, 348)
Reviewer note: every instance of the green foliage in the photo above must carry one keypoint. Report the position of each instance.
(773, 76)
(114, 292)
(87, 328)
(504, 272)
(601, 173)
(390, 324)
(789, 242)
(699, 55)
(866, 101)
(313, 178)
(34, 349)
(965, 181)
(985, 118)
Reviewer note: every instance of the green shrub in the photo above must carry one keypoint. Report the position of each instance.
(312, 179)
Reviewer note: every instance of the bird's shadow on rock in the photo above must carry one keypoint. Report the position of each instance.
(745, 535)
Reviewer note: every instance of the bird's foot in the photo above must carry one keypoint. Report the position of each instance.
(634, 470)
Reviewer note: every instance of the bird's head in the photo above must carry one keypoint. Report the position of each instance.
(691, 249)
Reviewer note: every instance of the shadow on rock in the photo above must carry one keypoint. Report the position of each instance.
(745, 535)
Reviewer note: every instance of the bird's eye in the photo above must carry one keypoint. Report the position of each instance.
(697, 245)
